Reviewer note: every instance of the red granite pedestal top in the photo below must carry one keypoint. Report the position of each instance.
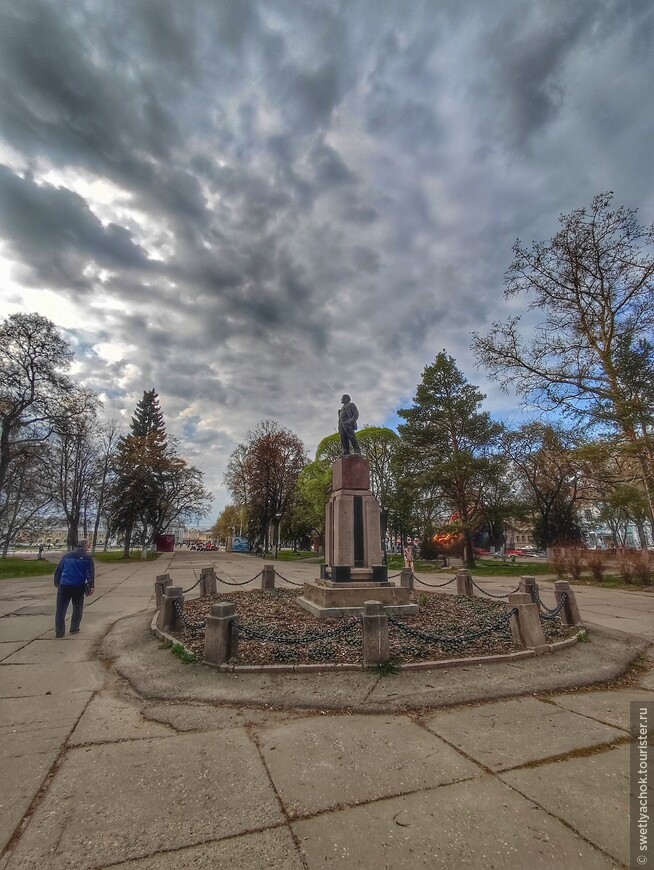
(351, 472)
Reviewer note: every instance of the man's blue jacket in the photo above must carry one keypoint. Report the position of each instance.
(75, 569)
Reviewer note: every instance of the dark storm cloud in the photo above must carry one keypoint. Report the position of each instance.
(55, 230)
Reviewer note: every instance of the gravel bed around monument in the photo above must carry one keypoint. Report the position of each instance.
(276, 612)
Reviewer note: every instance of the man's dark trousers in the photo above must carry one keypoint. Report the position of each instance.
(66, 594)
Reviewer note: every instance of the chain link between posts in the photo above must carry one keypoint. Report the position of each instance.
(493, 594)
(253, 633)
(551, 614)
(239, 582)
(197, 582)
(286, 580)
(188, 623)
(452, 640)
(432, 585)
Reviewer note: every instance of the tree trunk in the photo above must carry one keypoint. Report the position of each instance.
(128, 541)
(468, 549)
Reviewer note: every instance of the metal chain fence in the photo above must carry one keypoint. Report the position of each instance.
(188, 623)
(432, 585)
(286, 580)
(452, 640)
(253, 633)
(197, 582)
(551, 614)
(493, 594)
(239, 582)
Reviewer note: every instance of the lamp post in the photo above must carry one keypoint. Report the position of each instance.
(278, 517)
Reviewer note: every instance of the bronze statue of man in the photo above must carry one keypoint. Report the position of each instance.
(348, 415)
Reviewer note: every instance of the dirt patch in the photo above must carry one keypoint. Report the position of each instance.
(446, 627)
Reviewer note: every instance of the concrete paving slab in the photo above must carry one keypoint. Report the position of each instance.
(477, 824)
(120, 604)
(268, 849)
(591, 794)
(21, 779)
(647, 681)
(509, 733)
(8, 606)
(147, 796)
(202, 717)
(8, 649)
(46, 609)
(25, 680)
(609, 706)
(32, 725)
(75, 648)
(108, 718)
(23, 627)
(322, 762)
(32, 731)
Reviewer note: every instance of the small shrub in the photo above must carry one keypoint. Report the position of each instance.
(574, 562)
(386, 669)
(558, 563)
(641, 566)
(625, 568)
(597, 563)
(423, 599)
(185, 657)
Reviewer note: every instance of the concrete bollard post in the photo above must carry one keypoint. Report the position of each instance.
(220, 640)
(464, 583)
(570, 612)
(268, 577)
(375, 634)
(162, 580)
(529, 585)
(526, 627)
(406, 578)
(168, 619)
(207, 581)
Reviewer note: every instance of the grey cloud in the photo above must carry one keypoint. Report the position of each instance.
(330, 168)
(528, 55)
(334, 187)
(51, 227)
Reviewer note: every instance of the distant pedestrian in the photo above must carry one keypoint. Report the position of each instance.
(74, 578)
(409, 555)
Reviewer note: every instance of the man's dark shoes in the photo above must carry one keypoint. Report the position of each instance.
(74, 631)
(58, 635)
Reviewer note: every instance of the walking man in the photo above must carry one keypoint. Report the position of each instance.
(74, 577)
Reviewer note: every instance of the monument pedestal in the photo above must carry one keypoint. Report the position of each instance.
(354, 572)
(325, 599)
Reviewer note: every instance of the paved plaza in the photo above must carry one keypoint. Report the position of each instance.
(115, 754)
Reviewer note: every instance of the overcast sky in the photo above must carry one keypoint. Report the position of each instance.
(255, 206)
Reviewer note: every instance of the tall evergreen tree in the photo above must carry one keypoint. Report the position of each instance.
(148, 417)
(448, 444)
(153, 485)
(140, 461)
